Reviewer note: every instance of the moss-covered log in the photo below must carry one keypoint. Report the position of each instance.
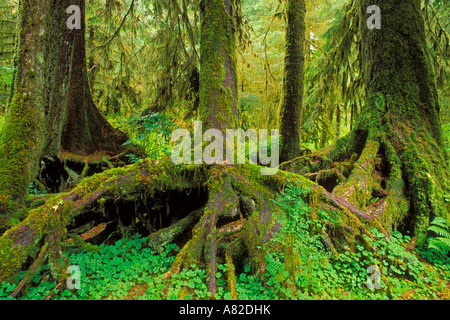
(234, 224)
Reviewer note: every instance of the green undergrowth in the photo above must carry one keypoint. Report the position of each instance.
(150, 132)
(106, 274)
(298, 266)
(309, 270)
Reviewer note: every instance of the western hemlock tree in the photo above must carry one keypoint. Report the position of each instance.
(291, 105)
(392, 165)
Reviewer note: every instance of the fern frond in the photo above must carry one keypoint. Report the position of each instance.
(439, 245)
(441, 222)
(446, 241)
(439, 231)
(441, 228)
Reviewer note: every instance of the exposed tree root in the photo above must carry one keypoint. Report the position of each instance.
(232, 224)
(393, 177)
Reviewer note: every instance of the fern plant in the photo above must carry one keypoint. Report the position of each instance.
(442, 241)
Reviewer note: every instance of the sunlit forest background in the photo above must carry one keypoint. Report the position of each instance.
(143, 66)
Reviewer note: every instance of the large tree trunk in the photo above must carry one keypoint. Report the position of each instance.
(52, 108)
(402, 112)
(291, 105)
(392, 164)
(85, 130)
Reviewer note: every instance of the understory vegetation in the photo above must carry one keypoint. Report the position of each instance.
(130, 269)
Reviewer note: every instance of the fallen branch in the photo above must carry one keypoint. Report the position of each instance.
(31, 272)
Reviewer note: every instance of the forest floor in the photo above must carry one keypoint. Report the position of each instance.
(128, 269)
(125, 267)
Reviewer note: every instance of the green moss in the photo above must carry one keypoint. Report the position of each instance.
(21, 138)
(59, 210)
(218, 90)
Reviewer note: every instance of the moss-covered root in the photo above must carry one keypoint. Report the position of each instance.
(158, 240)
(49, 221)
(357, 189)
(31, 272)
(427, 179)
(344, 152)
(231, 270)
(222, 204)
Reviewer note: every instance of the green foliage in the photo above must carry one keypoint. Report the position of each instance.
(106, 274)
(442, 241)
(8, 13)
(5, 83)
(152, 133)
(2, 120)
(302, 268)
(34, 190)
(192, 279)
(306, 269)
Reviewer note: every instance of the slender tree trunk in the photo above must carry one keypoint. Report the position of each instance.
(218, 78)
(291, 105)
(21, 139)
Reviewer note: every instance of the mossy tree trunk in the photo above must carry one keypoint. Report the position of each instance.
(402, 112)
(218, 78)
(392, 164)
(52, 108)
(21, 139)
(292, 100)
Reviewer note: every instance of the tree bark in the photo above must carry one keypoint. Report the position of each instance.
(392, 164)
(292, 100)
(21, 138)
(402, 110)
(218, 78)
(52, 108)
(85, 129)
